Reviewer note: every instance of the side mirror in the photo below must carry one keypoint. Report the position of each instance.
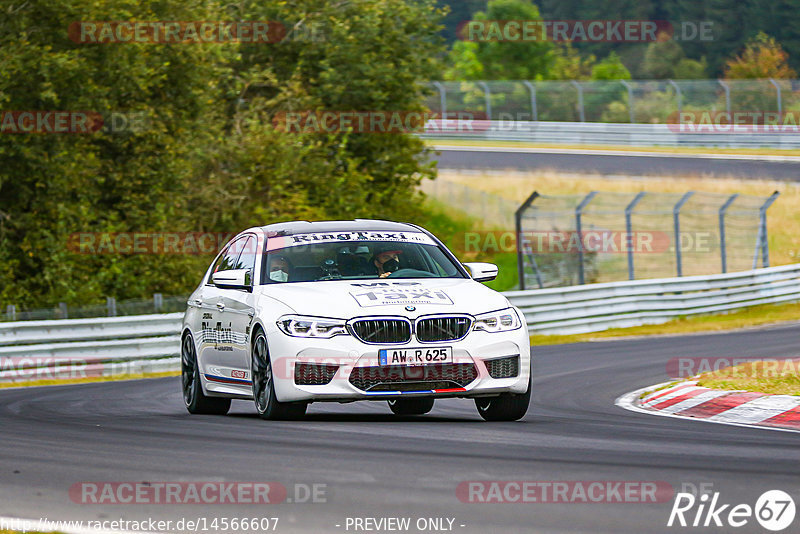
(482, 272)
(233, 279)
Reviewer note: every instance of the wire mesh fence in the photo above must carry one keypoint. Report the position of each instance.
(602, 237)
(492, 211)
(564, 240)
(633, 101)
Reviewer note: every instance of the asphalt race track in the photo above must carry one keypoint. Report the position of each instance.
(617, 163)
(375, 465)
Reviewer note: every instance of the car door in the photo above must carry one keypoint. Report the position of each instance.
(238, 310)
(215, 348)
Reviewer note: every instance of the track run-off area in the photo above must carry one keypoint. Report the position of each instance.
(355, 465)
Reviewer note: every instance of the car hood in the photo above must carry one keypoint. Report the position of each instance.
(345, 299)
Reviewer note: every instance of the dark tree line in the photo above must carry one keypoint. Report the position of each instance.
(734, 22)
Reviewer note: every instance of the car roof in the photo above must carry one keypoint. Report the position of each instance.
(307, 227)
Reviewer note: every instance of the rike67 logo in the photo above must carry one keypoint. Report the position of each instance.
(774, 510)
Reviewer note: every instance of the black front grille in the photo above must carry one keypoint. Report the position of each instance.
(442, 328)
(458, 374)
(313, 374)
(382, 330)
(503, 367)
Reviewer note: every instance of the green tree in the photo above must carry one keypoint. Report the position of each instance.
(661, 58)
(503, 60)
(52, 186)
(610, 68)
(762, 57)
(209, 158)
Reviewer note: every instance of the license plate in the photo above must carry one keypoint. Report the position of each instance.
(415, 356)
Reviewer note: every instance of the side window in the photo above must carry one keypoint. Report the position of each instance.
(227, 260)
(247, 258)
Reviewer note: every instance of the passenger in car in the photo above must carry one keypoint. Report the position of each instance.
(279, 269)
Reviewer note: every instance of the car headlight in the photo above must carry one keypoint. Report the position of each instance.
(300, 326)
(498, 321)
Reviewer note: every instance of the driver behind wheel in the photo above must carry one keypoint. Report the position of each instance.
(386, 260)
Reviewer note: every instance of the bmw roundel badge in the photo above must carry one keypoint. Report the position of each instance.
(410, 308)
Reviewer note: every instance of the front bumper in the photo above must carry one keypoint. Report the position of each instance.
(357, 365)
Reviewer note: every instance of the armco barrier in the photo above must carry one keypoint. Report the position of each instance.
(77, 348)
(595, 307)
(34, 350)
(602, 133)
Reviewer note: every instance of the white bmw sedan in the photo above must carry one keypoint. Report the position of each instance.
(301, 312)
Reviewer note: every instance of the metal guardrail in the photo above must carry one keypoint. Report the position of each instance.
(596, 307)
(60, 349)
(66, 330)
(599, 133)
(97, 347)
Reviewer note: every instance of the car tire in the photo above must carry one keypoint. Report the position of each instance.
(415, 406)
(194, 399)
(267, 405)
(505, 407)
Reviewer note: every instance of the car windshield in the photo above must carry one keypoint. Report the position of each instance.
(338, 256)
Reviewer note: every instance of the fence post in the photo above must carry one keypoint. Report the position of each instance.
(679, 96)
(487, 95)
(111, 306)
(62, 308)
(581, 113)
(442, 100)
(778, 91)
(518, 227)
(676, 216)
(158, 301)
(762, 223)
(631, 111)
(534, 109)
(629, 230)
(578, 213)
(722, 249)
(727, 96)
(11, 312)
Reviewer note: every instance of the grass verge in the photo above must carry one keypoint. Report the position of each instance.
(450, 225)
(783, 219)
(777, 377)
(753, 316)
(84, 380)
